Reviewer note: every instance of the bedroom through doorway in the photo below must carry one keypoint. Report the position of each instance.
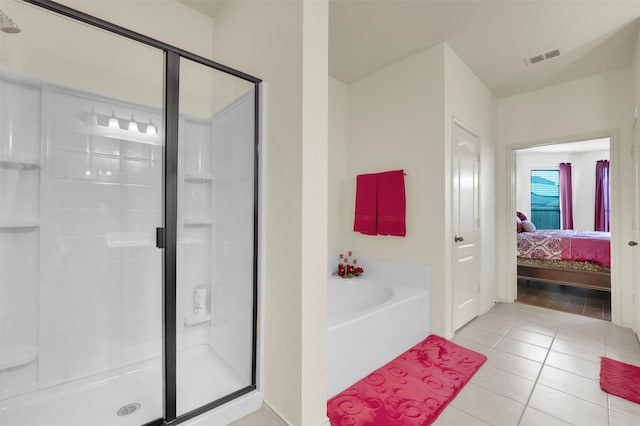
(562, 201)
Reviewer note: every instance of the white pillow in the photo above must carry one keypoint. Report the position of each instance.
(528, 226)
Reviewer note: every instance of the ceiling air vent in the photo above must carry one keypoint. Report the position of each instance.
(536, 59)
(552, 54)
(543, 56)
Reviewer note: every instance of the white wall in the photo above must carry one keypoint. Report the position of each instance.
(268, 39)
(396, 118)
(582, 179)
(395, 122)
(586, 108)
(400, 117)
(468, 100)
(315, 151)
(339, 222)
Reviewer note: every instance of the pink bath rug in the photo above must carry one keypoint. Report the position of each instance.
(411, 390)
(620, 379)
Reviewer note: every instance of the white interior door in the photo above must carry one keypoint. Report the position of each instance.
(466, 269)
(635, 240)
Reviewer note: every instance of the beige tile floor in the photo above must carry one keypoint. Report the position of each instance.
(259, 418)
(542, 369)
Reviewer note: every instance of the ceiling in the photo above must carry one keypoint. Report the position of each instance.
(207, 7)
(492, 37)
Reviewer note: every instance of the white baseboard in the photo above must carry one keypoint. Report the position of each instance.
(274, 415)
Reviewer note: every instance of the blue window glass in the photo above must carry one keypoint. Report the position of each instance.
(545, 199)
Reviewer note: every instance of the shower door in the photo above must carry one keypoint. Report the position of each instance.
(81, 196)
(128, 236)
(216, 229)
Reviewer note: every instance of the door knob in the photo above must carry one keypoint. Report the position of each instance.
(458, 239)
(632, 243)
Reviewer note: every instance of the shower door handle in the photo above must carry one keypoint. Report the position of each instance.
(160, 243)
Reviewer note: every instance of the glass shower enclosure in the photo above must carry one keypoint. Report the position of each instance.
(128, 225)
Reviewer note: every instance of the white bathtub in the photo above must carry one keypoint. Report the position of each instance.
(368, 324)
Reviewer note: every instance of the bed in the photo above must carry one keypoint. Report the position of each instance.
(567, 257)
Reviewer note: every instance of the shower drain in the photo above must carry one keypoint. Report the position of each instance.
(129, 409)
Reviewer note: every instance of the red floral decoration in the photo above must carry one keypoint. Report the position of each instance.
(348, 267)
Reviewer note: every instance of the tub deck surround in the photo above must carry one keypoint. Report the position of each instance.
(352, 298)
(388, 271)
(370, 321)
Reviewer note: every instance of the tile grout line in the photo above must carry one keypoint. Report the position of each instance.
(487, 356)
(493, 349)
(521, 316)
(535, 383)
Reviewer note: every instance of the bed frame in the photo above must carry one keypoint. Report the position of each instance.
(571, 277)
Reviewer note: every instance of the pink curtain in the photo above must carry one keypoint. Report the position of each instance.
(601, 222)
(566, 196)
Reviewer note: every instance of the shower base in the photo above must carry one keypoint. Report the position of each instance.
(202, 377)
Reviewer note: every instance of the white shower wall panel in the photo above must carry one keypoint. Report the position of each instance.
(197, 147)
(95, 324)
(20, 135)
(101, 285)
(198, 199)
(233, 155)
(19, 309)
(20, 119)
(19, 189)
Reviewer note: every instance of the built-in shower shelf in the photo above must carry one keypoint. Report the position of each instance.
(17, 357)
(197, 177)
(18, 164)
(197, 319)
(197, 221)
(19, 223)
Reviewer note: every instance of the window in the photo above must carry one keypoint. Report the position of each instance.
(545, 198)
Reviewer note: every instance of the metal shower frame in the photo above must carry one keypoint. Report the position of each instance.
(168, 234)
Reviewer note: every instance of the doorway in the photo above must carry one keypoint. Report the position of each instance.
(563, 245)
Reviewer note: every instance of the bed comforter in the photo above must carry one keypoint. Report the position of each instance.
(589, 246)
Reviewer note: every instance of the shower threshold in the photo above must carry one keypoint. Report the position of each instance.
(129, 396)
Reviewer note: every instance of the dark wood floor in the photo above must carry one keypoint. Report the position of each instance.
(581, 301)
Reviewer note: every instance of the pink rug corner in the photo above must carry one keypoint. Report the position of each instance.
(620, 379)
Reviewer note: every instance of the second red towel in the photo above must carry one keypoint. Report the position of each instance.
(391, 204)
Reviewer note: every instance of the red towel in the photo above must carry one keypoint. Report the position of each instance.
(391, 204)
(366, 204)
